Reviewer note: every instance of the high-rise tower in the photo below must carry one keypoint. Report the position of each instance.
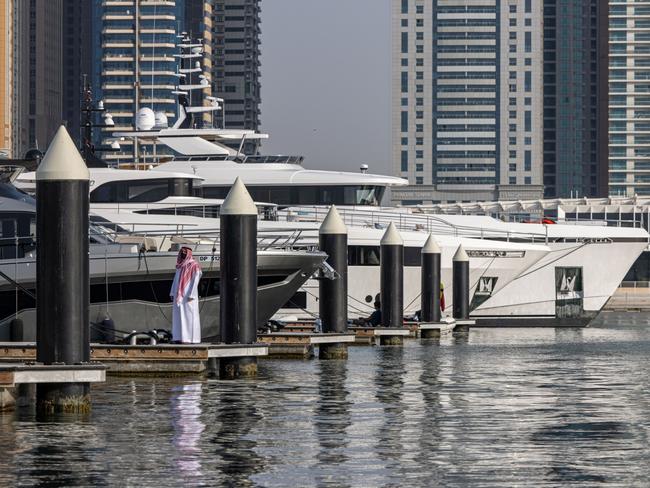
(467, 99)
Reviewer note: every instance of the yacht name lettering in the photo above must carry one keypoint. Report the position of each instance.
(208, 258)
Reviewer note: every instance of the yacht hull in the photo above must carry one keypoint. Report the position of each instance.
(134, 290)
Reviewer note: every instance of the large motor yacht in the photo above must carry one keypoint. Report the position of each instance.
(131, 274)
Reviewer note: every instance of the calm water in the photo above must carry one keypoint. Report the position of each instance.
(515, 407)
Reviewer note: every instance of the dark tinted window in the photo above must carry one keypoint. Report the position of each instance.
(307, 195)
(141, 191)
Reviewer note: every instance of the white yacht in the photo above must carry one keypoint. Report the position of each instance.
(131, 274)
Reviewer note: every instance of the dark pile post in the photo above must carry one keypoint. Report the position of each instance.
(392, 284)
(238, 243)
(333, 301)
(62, 271)
(430, 297)
(461, 284)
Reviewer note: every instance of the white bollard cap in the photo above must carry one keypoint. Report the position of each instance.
(62, 161)
(333, 223)
(238, 201)
(431, 246)
(392, 237)
(460, 255)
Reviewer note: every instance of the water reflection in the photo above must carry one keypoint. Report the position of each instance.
(331, 421)
(510, 407)
(389, 384)
(235, 418)
(188, 428)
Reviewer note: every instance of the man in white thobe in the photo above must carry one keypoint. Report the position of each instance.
(186, 320)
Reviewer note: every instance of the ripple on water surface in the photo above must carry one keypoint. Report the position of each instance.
(546, 407)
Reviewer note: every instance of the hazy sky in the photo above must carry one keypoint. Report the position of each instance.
(326, 82)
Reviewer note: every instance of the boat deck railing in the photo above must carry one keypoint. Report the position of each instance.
(153, 238)
(407, 221)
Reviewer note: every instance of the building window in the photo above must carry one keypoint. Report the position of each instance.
(419, 62)
(528, 43)
(528, 121)
(512, 127)
(405, 161)
(512, 62)
(419, 75)
(512, 114)
(512, 101)
(419, 101)
(419, 49)
(419, 180)
(528, 62)
(527, 101)
(419, 9)
(512, 167)
(419, 36)
(405, 102)
(512, 154)
(405, 62)
(405, 22)
(512, 75)
(405, 82)
(419, 141)
(527, 180)
(419, 128)
(527, 141)
(405, 141)
(512, 180)
(419, 167)
(419, 154)
(512, 141)
(405, 121)
(405, 6)
(513, 35)
(513, 22)
(513, 9)
(528, 160)
(513, 88)
(527, 6)
(528, 81)
(419, 114)
(512, 48)
(405, 42)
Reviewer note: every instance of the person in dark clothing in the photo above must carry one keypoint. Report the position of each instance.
(375, 318)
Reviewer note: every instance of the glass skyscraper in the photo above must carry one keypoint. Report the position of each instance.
(467, 99)
(575, 94)
(137, 46)
(629, 97)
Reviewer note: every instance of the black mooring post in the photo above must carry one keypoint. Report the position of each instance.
(238, 241)
(461, 284)
(430, 298)
(333, 293)
(62, 271)
(392, 283)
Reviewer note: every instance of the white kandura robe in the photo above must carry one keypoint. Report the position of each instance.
(186, 320)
